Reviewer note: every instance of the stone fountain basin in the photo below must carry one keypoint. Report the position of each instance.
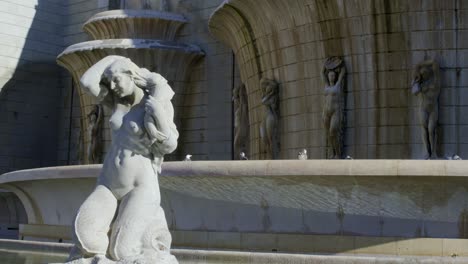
(25, 252)
(333, 206)
(152, 24)
(169, 58)
(130, 44)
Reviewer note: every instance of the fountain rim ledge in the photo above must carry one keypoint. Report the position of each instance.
(266, 168)
(135, 13)
(234, 255)
(131, 44)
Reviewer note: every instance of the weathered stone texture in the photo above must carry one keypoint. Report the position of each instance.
(207, 111)
(380, 42)
(75, 14)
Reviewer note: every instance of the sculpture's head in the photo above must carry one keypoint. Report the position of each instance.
(93, 115)
(269, 86)
(421, 74)
(425, 73)
(331, 77)
(270, 89)
(120, 76)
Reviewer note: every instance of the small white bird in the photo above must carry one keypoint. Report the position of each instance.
(349, 157)
(453, 157)
(242, 156)
(302, 155)
(188, 157)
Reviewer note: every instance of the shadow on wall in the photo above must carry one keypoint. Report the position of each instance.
(30, 94)
(12, 214)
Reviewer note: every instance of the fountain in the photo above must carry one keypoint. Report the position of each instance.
(147, 37)
(399, 211)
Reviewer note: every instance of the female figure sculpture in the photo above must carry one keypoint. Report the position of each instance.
(241, 119)
(95, 118)
(122, 220)
(333, 74)
(426, 82)
(269, 126)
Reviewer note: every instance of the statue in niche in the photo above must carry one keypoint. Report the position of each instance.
(161, 5)
(94, 131)
(269, 127)
(241, 119)
(122, 220)
(333, 74)
(426, 83)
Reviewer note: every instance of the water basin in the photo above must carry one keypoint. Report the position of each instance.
(29, 257)
(232, 257)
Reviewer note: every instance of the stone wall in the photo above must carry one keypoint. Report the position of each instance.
(206, 129)
(204, 120)
(77, 13)
(380, 41)
(30, 39)
(39, 123)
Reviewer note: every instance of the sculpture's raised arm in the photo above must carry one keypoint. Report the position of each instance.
(323, 74)
(436, 72)
(341, 76)
(419, 79)
(91, 79)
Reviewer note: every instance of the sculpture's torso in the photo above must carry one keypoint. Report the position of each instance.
(332, 99)
(128, 162)
(429, 95)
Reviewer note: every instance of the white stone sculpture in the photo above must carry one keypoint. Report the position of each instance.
(426, 82)
(241, 119)
(269, 126)
(302, 155)
(453, 157)
(122, 220)
(333, 75)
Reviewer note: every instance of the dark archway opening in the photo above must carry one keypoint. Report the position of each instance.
(12, 214)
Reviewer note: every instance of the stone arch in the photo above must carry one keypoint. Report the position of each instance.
(33, 215)
(12, 214)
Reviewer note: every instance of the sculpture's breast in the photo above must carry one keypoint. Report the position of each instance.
(133, 121)
(332, 89)
(116, 119)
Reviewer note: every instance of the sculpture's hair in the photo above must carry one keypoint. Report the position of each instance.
(274, 85)
(142, 77)
(268, 82)
(429, 65)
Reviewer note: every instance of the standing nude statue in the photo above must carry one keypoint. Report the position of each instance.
(426, 82)
(269, 126)
(333, 74)
(122, 220)
(95, 120)
(241, 119)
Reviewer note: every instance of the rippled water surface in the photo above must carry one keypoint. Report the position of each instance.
(13, 257)
(26, 257)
